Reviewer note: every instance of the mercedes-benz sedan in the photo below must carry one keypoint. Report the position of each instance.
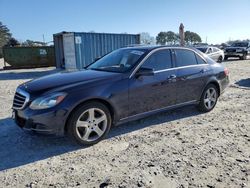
(124, 85)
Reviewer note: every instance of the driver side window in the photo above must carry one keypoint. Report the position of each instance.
(159, 60)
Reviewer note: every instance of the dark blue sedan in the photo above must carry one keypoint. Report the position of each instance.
(124, 85)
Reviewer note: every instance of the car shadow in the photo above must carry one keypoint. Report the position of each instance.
(14, 75)
(243, 82)
(18, 147)
(163, 117)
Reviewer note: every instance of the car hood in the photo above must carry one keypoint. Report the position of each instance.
(64, 79)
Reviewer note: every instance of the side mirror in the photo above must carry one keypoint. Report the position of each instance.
(144, 72)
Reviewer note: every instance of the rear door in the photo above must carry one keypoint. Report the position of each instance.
(148, 93)
(192, 74)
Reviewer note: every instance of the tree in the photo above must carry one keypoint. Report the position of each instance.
(167, 37)
(192, 37)
(145, 38)
(13, 42)
(5, 35)
(171, 37)
(161, 38)
(33, 43)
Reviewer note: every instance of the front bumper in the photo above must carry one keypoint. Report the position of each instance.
(42, 121)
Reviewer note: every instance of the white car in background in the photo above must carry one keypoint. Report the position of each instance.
(213, 52)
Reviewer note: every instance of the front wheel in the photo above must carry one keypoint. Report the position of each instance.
(90, 123)
(209, 98)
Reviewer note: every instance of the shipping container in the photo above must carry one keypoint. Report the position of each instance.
(25, 57)
(76, 50)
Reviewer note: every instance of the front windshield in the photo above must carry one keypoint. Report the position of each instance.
(120, 60)
(202, 49)
(240, 44)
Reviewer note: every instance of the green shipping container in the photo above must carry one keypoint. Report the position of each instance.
(25, 57)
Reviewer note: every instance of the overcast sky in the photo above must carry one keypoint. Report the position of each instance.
(216, 20)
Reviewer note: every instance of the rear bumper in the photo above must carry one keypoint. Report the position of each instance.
(224, 83)
(49, 122)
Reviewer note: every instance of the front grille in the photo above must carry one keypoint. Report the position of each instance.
(20, 99)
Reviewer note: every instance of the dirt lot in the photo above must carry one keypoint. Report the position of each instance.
(181, 148)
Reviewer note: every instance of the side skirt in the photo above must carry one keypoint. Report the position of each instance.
(149, 113)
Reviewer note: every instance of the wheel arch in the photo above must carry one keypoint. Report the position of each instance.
(99, 100)
(214, 82)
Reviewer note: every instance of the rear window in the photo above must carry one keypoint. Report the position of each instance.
(185, 57)
(240, 44)
(199, 59)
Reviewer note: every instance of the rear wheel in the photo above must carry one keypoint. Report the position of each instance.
(244, 57)
(220, 59)
(209, 98)
(90, 123)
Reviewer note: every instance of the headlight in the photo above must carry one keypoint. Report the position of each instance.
(47, 101)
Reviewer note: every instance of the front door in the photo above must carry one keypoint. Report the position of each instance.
(148, 93)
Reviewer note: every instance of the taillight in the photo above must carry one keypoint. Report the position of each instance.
(226, 71)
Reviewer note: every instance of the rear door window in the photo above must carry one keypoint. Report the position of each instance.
(185, 57)
(159, 60)
(199, 59)
(215, 49)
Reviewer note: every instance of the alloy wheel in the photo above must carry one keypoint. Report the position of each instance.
(91, 124)
(210, 98)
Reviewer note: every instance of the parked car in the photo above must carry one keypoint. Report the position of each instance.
(222, 46)
(124, 85)
(213, 52)
(238, 49)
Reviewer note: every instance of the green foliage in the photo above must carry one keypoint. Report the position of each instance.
(5, 35)
(13, 42)
(167, 37)
(172, 38)
(192, 37)
(161, 38)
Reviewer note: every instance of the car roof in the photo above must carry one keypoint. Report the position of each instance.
(153, 47)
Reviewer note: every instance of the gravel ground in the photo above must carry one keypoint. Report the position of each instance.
(180, 148)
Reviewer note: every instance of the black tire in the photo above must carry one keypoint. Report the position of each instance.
(203, 106)
(74, 132)
(226, 58)
(244, 57)
(220, 59)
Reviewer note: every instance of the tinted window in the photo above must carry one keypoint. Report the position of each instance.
(240, 44)
(185, 58)
(120, 60)
(159, 60)
(215, 49)
(199, 59)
